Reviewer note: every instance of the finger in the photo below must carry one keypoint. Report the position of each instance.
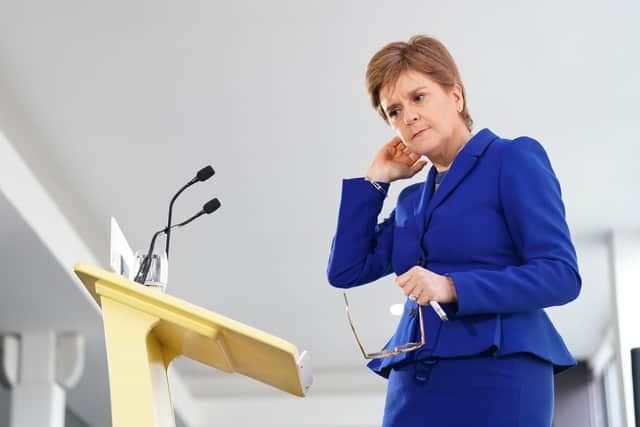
(413, 156)
(410, 155)
(409, 289)
(418, 166)
(416, 292)
(402, 151)
(402, 279)
(424, 299)
(395, 142)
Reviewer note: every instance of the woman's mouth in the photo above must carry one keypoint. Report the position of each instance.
(420, 132)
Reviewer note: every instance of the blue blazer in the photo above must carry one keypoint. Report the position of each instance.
(496, 226)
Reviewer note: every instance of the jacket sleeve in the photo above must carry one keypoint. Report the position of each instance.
(361, 249)
(535, 217)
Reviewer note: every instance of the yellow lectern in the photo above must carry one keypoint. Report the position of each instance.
(146, 329)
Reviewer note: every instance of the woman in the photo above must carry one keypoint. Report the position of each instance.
(485, 236)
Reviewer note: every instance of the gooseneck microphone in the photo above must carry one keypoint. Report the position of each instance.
(208, 208)
(203, 174)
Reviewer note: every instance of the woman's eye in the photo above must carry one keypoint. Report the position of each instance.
(393, 113)
(419, 97)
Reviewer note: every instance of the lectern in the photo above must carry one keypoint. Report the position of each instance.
(146, 329)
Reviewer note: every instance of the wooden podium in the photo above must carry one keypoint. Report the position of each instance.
(146, 329)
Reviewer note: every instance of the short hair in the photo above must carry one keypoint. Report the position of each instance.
(421, 53)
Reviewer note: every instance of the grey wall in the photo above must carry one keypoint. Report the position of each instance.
(72, 420)
(5, 402)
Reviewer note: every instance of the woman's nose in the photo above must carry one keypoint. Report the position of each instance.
(410, 116)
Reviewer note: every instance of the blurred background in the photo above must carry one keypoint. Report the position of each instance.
(108, 107)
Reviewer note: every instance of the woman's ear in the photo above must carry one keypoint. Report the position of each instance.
(456, 93)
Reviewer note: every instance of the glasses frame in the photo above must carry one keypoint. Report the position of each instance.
(404, 348)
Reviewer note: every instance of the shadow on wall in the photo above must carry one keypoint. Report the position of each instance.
(5, 404)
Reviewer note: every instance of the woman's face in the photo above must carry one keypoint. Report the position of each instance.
(424, 114)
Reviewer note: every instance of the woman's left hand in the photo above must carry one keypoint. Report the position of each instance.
(427, 286)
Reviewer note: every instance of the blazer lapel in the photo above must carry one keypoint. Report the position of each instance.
(423, 201)
(462, 165)
(460, 168)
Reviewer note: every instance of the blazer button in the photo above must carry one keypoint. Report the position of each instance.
(412, 313)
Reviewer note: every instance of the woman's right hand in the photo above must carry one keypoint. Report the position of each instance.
(394, 161)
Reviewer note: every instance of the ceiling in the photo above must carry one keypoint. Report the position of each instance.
(112, 106)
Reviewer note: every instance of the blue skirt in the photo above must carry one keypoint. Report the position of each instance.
(475, 391)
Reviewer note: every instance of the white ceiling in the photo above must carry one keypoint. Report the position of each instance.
(114, 105)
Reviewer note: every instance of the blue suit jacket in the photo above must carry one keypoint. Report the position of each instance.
(496, 226)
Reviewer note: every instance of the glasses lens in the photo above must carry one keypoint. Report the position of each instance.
(380, 354)
(409, 346)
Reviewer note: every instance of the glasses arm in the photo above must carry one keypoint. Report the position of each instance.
(353, 329)
(422, 338)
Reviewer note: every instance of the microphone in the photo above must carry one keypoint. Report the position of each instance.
(203, 174)
(208, 208)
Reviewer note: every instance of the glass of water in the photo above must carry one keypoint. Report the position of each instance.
(158, 270)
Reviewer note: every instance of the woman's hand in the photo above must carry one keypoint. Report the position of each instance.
(427, 286)
(394, 161)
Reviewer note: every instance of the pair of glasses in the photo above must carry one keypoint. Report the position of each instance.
(404, 348)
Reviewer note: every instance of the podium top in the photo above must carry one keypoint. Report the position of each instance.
(186, 329)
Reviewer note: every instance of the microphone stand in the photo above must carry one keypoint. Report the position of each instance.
(208, 208)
